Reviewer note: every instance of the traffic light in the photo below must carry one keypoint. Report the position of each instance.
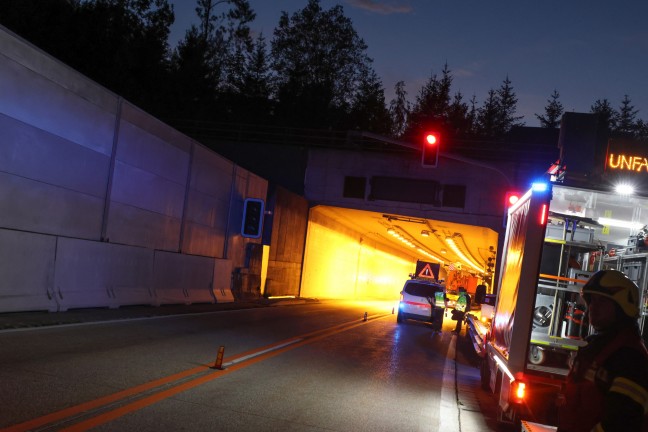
(252, 223)
(431, 144)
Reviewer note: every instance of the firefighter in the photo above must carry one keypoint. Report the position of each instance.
(461, 307)
(607, 385)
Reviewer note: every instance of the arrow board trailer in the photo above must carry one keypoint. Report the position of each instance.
(556, 237)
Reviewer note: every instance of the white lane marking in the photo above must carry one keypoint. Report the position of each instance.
(449, 411)
(256, 354)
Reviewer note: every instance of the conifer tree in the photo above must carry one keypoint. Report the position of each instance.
(399, 110)
(553, 112)
(607, 115)
(626, 120)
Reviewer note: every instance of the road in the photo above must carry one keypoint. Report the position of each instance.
(308, 367)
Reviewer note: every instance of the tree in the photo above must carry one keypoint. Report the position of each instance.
(459, 116)
(507, 106)
(497, 116)
(432, 105)
(553, 112)
(399, 109)
(48, 25)
(607, 115)
(488, 116)
(368, 110)
(641, 130)
(123, 45)
(320, 63)
(252, 91)
(211, 61)
(626, 120)
(472, 117)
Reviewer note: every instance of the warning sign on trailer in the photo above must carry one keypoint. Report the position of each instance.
(427, 270)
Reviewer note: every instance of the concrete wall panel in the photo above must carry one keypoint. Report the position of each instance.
(207, 211)
(203, 240)
(147, 152)
(36, 100)
(135, 116)
(67, 180)
(32, 153)
(148, 191)
(137, 227)
(211, 173)
(223, 281)
(34, 206)
(27, 269)
(91, 274)
(183, 278)
(34, 59)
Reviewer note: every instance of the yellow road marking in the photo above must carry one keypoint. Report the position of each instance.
(233, 364)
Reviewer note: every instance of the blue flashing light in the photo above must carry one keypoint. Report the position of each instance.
(539, 187)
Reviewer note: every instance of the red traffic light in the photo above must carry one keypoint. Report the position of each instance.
(431, 139)
(430, 153)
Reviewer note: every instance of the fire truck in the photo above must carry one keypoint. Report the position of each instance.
(582, 218)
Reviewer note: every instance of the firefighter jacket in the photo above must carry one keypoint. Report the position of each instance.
(463, 302)
(607, 386)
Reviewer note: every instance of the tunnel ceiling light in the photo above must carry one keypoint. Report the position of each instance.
(425, 233)
(397, 232)
(429, 255)
(464, 247)
(453, 245)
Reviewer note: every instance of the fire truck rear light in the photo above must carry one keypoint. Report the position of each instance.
(543, 214)
(518, 390)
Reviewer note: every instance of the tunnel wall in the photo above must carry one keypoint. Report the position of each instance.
(341, 263)
(101, 203)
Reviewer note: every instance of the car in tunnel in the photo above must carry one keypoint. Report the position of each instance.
(422, 300)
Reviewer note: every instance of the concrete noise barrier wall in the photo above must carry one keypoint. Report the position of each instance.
(102, 204)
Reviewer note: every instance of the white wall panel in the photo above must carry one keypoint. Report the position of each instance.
(145, 151)
(137, 227)
(211, 173)
(27, 271)
(207, 208)
(32, 153)
(148, 191)
(145, 121)
(56, 144)
(34, 206)
(203, 240)
(34, 99)
(33, 58)
(183, 278)
(91, 274)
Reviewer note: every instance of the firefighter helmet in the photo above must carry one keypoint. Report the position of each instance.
(616, 286)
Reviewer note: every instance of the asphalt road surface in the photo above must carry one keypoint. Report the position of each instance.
(300, 367)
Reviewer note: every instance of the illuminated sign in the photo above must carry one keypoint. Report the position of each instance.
(627, 162)
(624, 156)
(427, 270)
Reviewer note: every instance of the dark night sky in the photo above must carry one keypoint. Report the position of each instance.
(586, 50)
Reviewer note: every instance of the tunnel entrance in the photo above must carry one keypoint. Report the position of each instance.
(365, 255)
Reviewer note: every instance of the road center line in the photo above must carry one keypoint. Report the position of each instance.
(183, 380)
